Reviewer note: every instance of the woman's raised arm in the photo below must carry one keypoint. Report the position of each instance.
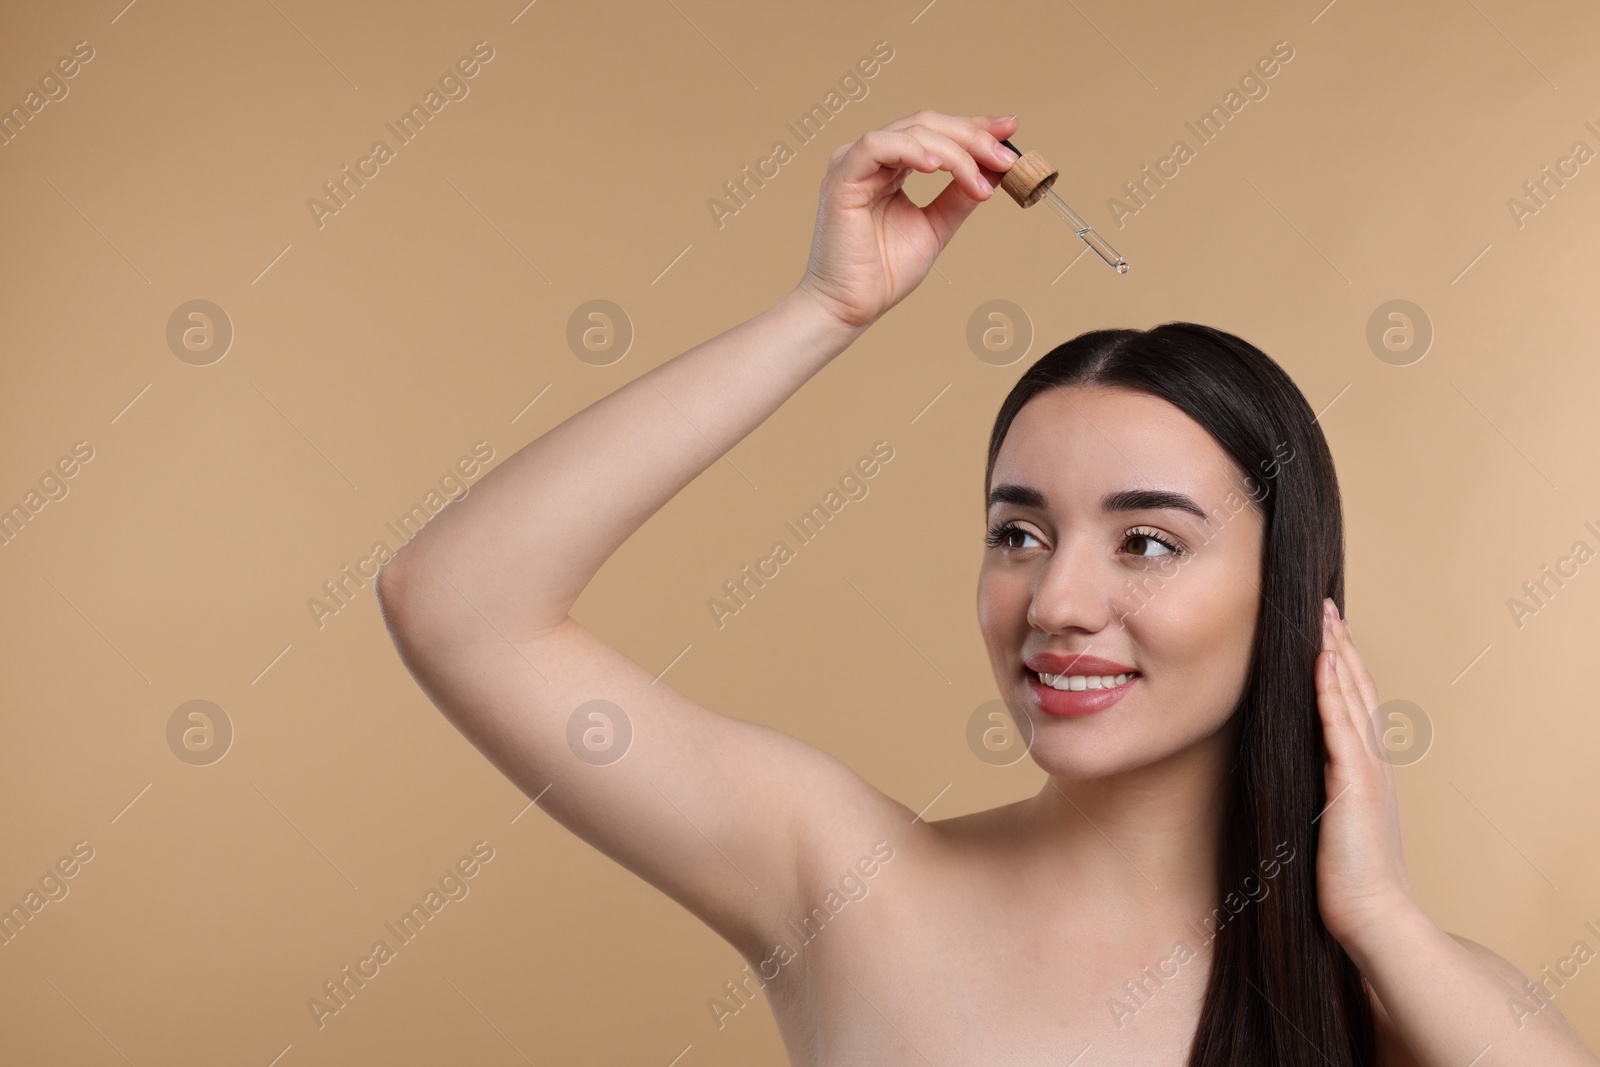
(733, 820)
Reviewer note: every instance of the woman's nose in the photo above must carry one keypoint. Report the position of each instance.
(1078, 590)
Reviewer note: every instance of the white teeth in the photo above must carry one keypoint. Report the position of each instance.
(1077, 682)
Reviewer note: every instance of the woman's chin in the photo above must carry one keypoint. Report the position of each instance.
(1096, 754)
(1074, 760)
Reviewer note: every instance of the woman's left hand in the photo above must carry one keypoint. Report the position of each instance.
(1361, 866)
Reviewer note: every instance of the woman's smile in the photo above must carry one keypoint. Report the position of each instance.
(1080, 699)
(1072, 685)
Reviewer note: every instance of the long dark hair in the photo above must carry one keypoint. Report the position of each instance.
(1282, 991)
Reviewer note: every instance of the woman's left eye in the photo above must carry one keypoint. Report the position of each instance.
(1151, 537)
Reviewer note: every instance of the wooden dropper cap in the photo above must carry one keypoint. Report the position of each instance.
(1029, 178)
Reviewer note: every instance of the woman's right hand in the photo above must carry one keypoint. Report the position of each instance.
(872, 245)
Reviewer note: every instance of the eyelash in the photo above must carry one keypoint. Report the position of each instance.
(998, 534)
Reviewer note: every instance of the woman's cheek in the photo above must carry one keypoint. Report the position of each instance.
(1196, 618)
(1220, 642)
(1002, 597)
(998, 611)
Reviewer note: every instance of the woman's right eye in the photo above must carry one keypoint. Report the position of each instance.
(1000, 536)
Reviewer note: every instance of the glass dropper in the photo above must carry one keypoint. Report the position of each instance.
(1026, 194)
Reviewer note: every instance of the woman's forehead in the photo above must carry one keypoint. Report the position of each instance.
(1086, 441)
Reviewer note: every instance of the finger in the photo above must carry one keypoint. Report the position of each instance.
(1360, 713)
(1359, 710)
(998, 126)
(1333, 701)
(955, 158)
(876, 150)
(1358, 666)
(1371, 722)
(947, 211)
(1358, 683)
(979, 136)
(1345, 749)
(928, 116)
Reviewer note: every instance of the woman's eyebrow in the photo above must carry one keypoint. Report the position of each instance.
(1027, 496)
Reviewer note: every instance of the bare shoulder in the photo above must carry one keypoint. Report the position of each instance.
(981, 825)
(1392, 1051)
(1501, 966)
(1514, 977)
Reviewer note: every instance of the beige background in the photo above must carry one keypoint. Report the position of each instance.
(371, 353)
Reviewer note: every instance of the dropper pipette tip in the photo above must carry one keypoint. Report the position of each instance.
(1087, 233)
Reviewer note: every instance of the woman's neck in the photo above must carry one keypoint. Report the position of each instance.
(1147, 838)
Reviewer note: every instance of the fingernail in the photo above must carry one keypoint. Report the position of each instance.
(1004, 154)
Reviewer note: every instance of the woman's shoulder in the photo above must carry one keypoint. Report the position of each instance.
(982, 824)
(1392, 1050)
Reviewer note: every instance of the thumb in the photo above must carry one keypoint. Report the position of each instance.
(947, 211)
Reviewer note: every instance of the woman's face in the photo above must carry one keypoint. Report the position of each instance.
(1065, 576)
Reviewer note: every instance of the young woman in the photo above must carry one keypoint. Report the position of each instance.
(1212, 873)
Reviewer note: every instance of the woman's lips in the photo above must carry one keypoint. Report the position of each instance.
(1066, 704)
